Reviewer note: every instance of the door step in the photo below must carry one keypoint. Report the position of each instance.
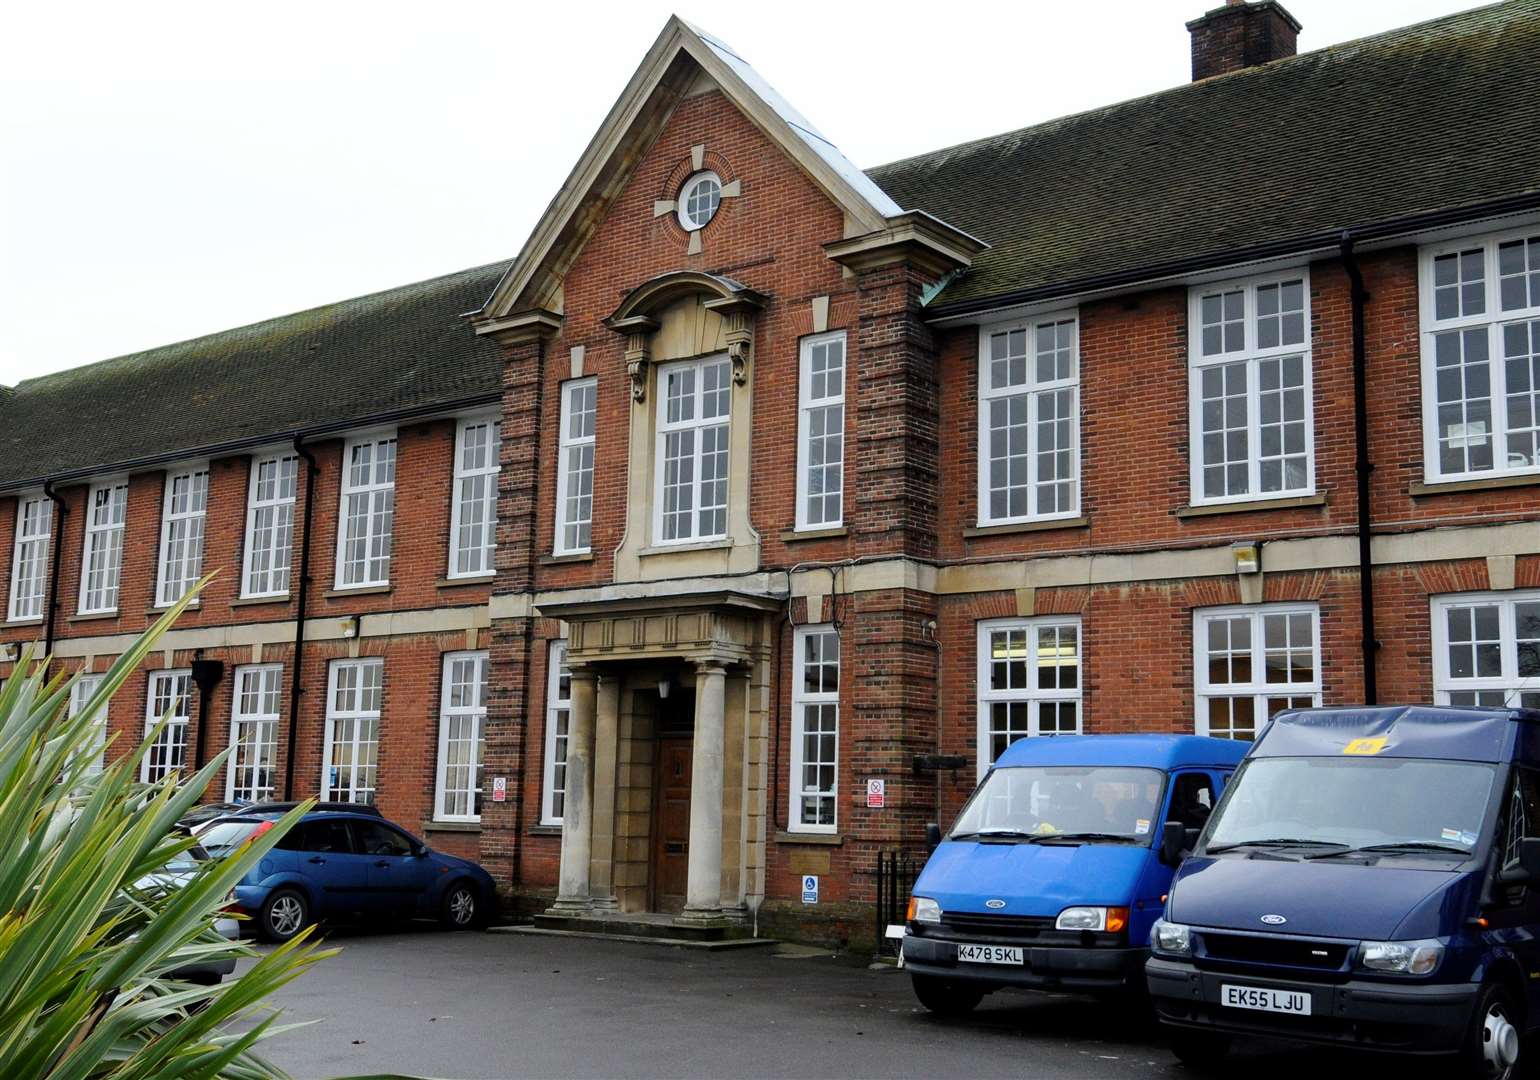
(649, 927)
(639, 939)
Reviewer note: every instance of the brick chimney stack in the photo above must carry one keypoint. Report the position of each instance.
(1241, 35)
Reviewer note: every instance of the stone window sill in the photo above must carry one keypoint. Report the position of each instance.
(24, 622)
(361, 590)
(456, 582)
(1208, 510)
(156, 611)
(1490, 483)
(561, 560)
(256, 601)
(93, 616)
(1027, 527)
(545, 830)
(452, 826)
(723, 544)
(816, 838)
(792, 536)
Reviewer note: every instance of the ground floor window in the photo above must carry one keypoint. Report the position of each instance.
(80, 696)
(1251, 662)
(1028, 681)
(254, 733)
(169, 696)
(558, 715)
(353, 696)
(1486, 649)
(461, 736)
(815, 703)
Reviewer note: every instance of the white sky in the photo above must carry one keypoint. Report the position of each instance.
(173, 168)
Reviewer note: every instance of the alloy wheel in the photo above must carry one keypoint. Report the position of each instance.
(286, 916)
(462, 906)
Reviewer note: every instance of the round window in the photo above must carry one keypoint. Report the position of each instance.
(698, 200)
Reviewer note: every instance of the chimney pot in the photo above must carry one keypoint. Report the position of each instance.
(1241, 35)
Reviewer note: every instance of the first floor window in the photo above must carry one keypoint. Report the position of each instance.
(254, 733)
(170, 697)
(694, 405)
(29, 561)
(1028, 682)
(80, 698)
(461, 736)
(1029, 421)
(558, 715)
(575, 466)
(1252, 662)
(821, 432)
(474, 535)
(181, 534)
(368, 512)
(270, 525)
(354, 692)
(815, 735)
(1487, 649)
(102, 561)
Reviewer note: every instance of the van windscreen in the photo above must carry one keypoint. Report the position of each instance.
(1419, 805)
(1088, 802)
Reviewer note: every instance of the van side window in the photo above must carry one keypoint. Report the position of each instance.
(1192, 799)
(1523, 817)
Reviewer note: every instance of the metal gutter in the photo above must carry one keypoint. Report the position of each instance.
(1363, 467)
(302, 591)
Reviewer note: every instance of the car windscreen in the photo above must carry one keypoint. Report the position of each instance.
(1112, 803)
(221, 836)
(1422, 806)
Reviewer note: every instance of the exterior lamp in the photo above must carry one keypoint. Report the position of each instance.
(663, 688)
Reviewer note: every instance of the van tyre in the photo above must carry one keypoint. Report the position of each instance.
(284, 913)
(1199, 1050)
(1492, 1045)
(461, 908)
(946, 998)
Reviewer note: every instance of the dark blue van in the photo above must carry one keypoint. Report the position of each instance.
(1052, 874)
(1370, 879)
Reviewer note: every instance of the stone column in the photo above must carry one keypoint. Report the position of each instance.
(605, 764)
(703, 889)
(577, 806)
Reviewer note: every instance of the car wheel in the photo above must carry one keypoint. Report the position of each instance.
(945, 998)
(461, 909)
(1199, 1050)
(284, 914)
(1494, 1041)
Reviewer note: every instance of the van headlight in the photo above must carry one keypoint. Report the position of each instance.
(1170, 938)
(1109, 919)
(1401, 957)
(924, 909)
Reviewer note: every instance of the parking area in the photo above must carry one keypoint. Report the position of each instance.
(431, 1003)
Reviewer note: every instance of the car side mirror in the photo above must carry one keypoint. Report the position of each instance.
(1173, 842)
(932, 836)
(1526, 870)
(419, 851)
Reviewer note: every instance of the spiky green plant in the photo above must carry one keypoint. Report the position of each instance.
(87, 951)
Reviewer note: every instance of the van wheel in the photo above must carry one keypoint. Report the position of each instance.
(1200, 1050)
(284, 913)
(1492, 1045)
(946, 998)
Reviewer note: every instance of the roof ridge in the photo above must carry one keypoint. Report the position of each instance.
(230, 330)
(1313, 54)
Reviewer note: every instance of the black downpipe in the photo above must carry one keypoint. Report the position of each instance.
(301, 594)
(56, 539)
(206, 675)
(1363, 467)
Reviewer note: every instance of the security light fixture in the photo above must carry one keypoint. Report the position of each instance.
(1248, 557)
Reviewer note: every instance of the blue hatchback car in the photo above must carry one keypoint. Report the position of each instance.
(348, 864)
(1052, 875)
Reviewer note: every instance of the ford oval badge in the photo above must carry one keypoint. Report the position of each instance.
(1274, 920)
(994, 904)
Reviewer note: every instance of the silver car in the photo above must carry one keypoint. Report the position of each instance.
(174, 875)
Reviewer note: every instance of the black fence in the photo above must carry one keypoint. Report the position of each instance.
(896, 873)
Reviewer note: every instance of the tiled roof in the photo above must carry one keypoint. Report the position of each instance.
(397, 350)
(1430, 117)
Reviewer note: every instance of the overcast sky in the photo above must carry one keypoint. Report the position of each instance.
(169, 169)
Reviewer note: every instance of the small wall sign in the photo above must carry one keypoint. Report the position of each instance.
(810, 888)
(499, 789)
(876, 794)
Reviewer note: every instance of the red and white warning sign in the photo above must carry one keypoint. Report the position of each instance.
(499, 789)
(876, 794)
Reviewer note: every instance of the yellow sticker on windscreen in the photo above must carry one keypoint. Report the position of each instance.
(1366, 746)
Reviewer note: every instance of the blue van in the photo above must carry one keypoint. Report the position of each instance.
(1370, 879)
(1051, 876)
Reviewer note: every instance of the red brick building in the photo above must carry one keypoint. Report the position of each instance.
(760, 501)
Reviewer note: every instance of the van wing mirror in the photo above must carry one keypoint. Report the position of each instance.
(932, 836)
(1526, 870)
(1173, 842)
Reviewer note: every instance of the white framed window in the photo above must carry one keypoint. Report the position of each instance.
(29, 558)
(102, 557)
(575, 466)
(558, 715)
(1480, 304)
(1029, 681)
(474, 536)
(354, 692)
(698, 200)
(815, 730)
(1250, 662)
(694, 402)
(169, 694)
(462, 737)
(1251, 415)
(1029, 420)
(821, 432)
(368, 512)
(80, 696)
(1486, 649)
(181, 534)
(251, 770)
(270, 525)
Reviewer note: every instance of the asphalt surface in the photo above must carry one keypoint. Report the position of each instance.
(436, 1004)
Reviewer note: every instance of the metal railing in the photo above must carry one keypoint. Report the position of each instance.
(896, 874)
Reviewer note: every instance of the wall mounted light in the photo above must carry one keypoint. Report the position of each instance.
(663, 688)
(1248, 557)
(350, 626)
(8, 653)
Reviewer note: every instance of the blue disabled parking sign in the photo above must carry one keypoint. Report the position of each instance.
(809, 888)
